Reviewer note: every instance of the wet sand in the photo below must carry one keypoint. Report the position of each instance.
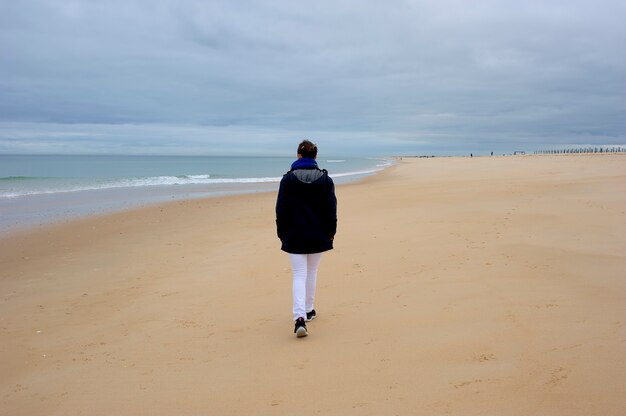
(482, 286)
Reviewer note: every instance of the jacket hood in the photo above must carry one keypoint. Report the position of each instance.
(308, 175)
(306, 170)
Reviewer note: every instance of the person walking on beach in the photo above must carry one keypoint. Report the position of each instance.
(306, 223)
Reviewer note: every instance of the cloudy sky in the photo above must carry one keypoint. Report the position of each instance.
(254, 77)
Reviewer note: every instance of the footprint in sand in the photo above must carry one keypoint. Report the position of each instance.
(485, 357)
(187, 323)
(558, 375)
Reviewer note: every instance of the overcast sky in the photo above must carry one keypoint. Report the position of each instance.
(254, 77)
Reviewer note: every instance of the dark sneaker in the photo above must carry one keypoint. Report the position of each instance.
(300, 329)
(310, 315)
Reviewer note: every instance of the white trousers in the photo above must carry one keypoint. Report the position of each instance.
(304, 267)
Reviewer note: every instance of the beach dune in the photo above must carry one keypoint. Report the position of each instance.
(458, 286)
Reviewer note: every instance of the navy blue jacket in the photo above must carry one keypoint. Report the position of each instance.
(306, 209)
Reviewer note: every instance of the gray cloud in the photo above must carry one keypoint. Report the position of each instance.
(215, 77)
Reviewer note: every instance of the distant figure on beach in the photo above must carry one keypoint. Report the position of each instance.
(306, 222)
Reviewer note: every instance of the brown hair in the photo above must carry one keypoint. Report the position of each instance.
(307, 149)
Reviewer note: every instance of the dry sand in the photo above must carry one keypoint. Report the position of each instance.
(484, 286)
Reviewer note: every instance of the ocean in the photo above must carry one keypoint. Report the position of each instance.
(38, 189)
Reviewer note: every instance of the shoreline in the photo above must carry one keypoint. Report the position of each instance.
(226, 190)
(467, 286)
(31, 212)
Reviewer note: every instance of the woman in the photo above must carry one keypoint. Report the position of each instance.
(306, 222)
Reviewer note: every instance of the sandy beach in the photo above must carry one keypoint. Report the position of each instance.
(458, 286)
